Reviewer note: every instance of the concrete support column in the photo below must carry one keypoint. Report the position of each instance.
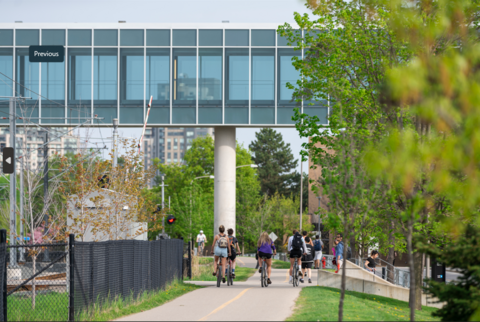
(225, 163)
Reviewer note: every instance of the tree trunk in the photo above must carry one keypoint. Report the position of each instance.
(418, 262)
(391, 255)
(411, 300)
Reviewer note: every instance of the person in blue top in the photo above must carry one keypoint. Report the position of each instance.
(265, 247)
(339, 252)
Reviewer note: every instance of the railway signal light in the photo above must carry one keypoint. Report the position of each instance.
(171, 219)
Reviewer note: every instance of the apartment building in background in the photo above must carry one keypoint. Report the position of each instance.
(32, 140)
(170, 144)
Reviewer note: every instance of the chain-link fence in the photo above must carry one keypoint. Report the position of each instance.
(36, 282)
(124, 269)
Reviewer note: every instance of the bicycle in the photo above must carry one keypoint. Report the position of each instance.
(264, 275)
(200, 249)
(295, 280)
(229, 271)
(219, 270)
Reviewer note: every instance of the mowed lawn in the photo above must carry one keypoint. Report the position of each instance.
(318, 303)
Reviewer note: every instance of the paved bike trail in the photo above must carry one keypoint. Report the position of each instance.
(244, 301)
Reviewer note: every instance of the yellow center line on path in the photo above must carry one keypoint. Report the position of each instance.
(286, 279)
(238, 259)
(225, 304)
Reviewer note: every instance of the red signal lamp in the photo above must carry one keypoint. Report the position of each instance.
(171, 219)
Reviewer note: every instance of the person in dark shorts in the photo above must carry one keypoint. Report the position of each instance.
(265, 248)
(307, 260)
(370, 263)
(296, 248)
(233, 245)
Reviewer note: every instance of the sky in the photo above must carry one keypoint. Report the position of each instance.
(161, 11)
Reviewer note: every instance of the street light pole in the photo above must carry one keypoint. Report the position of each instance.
(13, 186)
(301, 191)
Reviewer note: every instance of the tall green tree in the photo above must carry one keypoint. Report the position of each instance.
(274, 159)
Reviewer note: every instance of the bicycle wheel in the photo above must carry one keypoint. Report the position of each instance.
(265, 276)
(295, 274)
(262, 277)
(230, 278)
(219, 275)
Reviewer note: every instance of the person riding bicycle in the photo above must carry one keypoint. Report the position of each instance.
(296, 248)
(201, 240)
(220, 247)
(233, 243)
(265, 247)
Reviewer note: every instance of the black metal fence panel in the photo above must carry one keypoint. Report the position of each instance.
(106, 271)
(3, 253)
(36, 281)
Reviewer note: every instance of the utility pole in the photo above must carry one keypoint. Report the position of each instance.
(115, 142)
(45, 192)
(301, 192)
(22, 233)
(13, 186)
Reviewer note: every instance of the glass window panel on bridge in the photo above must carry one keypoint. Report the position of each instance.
(158, 37)
(6, 83)
(237, 85)
(184, 86)
(237, 37)
(105, 85)
(210, 86)
(286, 74)
(79, 104)
(263, 37)
(53, 37)
(184, 37)
(6, 37)
(26, 37)
(263, 86)
(53, 91)
(105, 37)
(28, 83)
(210, 37)
(79, 37)
(158, 84)
(131, 86)
(131, 37)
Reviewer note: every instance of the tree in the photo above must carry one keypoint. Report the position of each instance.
(461, 296)
(274, 159)
(110, 203)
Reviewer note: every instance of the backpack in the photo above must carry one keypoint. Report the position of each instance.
(297, 241)
(222, 242)
(317, 245)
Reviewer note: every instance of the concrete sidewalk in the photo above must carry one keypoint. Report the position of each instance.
(244, 301)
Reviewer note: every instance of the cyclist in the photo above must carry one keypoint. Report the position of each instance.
(201, 240)
(220, 247)
(233, 243)
(296, 248)
(265, 247)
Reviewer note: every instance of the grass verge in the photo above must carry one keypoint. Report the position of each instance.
(205, 260)
(317, 303)
(48, 307)
(280, 264)
(148, 300)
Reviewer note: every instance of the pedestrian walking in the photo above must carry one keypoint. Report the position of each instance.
(370, 263)
(318, 246)
(339, 252)
(307, 259)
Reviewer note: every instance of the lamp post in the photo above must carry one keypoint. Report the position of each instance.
(210, 177)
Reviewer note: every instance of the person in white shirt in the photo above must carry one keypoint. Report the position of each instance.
(201, 240)
(296, 250)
